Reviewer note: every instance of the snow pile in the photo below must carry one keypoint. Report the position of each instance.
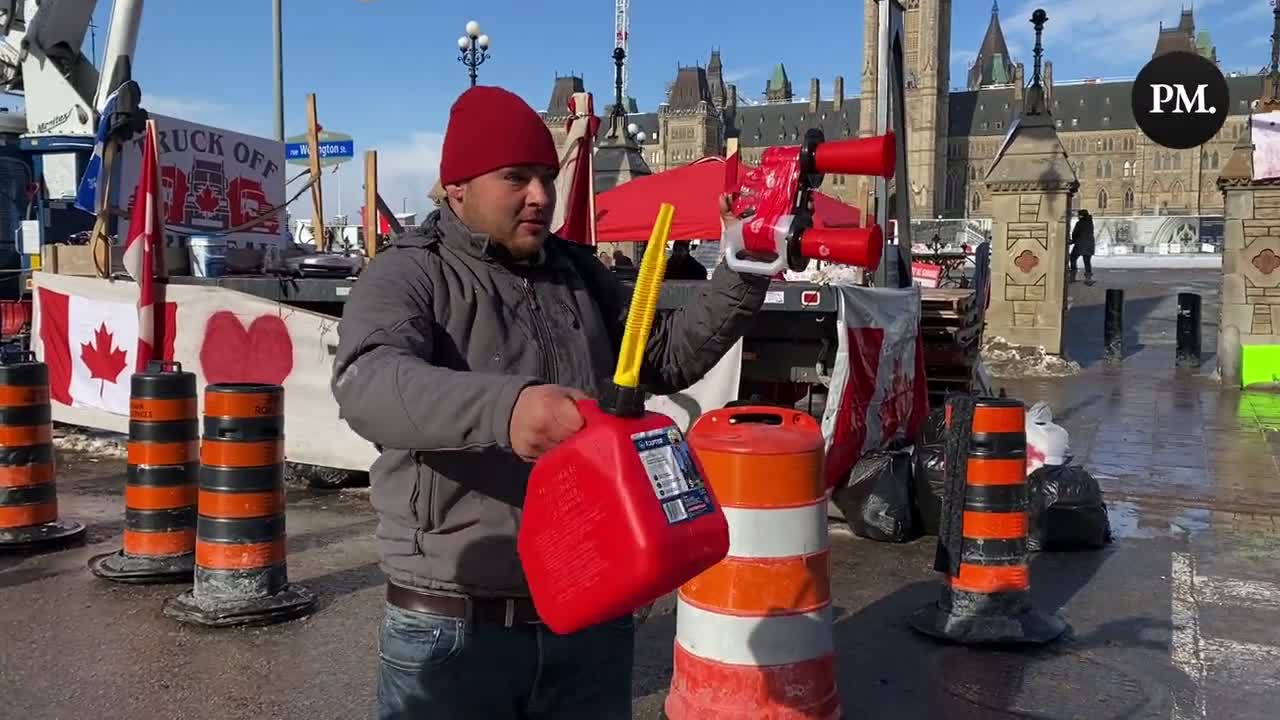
(90, 441)
(829, 275)
(1006, 360)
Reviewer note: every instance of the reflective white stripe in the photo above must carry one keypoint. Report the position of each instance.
(780, 533)
(754, 640)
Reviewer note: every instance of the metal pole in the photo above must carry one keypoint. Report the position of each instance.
(1113, 326)
(473, 62)
(278, 27)
(1188, 333)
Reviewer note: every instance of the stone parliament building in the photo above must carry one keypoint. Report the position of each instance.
(953, 134)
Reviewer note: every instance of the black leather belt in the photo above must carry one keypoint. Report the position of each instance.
(506, 612)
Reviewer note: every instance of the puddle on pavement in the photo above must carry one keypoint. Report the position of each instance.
(1132, 521)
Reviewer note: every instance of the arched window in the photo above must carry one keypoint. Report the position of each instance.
(1099, 173)
(1128, 198)
(1106, 172)
(1177, 161)
(1214, 160)
(1175, 194)
(977, 202)
(1128, 168)
(1102, 199)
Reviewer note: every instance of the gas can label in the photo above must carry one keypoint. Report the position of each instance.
(669, 464)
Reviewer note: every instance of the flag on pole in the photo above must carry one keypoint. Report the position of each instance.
(87, 193)
(146, 225)
(575, 213)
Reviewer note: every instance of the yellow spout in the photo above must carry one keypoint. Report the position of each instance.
(644, 302)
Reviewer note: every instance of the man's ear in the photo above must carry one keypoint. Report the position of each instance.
(455, 192)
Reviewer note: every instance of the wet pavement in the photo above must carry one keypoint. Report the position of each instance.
(1179, 618)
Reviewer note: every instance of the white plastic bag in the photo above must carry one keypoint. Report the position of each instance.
(1047, 442)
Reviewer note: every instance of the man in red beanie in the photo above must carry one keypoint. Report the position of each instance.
(462, 350)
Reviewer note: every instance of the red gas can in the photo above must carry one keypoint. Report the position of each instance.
(614, 518)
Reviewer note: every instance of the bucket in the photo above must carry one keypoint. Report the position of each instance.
(208, 255)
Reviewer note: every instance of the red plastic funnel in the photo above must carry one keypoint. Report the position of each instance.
(859, 247)
(865, 156)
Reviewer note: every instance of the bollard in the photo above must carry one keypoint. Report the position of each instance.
(28, 493)
(1113, 326)
(160, 491)
(1188, 333)
(241, 574)
(754, 632)
(982, 539)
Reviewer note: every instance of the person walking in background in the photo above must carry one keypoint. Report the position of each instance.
(1082, 245)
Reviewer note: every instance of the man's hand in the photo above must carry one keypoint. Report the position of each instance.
(544, 416)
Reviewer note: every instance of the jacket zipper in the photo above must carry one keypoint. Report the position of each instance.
(543, 333)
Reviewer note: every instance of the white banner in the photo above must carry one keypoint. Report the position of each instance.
(227, 336)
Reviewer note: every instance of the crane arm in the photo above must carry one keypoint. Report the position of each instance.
(40, 57)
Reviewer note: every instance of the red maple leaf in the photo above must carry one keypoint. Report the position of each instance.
(104, 361)
(206, 200)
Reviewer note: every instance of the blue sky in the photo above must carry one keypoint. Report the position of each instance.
(386, 71)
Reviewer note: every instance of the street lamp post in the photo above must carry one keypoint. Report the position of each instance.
(474, 47)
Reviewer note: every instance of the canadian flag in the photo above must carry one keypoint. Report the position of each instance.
(91, 348)
(878, 376)
(146, 225)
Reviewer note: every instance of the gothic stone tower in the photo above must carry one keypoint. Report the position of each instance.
(927, 50)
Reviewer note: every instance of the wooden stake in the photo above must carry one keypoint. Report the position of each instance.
(371, 214)
(317, 197)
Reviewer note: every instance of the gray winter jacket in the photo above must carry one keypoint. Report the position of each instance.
(438, 338)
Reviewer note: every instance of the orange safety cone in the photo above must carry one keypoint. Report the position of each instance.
(754, 633)
(160, 492)
(28, 494)
(982, 537)
(241, 570)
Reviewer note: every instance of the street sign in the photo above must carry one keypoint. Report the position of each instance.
(335, 149)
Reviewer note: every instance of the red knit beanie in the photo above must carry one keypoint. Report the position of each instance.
(491, 128)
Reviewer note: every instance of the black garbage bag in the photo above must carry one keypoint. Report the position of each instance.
(1067, 511)
(877, 500)
(927, 478)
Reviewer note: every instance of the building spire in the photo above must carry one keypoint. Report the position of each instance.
(995, 7)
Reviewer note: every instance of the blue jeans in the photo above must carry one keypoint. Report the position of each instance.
(433, 667)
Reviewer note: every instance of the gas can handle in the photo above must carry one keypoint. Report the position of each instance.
(734, 243)
(763, 418)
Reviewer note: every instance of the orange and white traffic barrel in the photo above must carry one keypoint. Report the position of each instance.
(754, 632)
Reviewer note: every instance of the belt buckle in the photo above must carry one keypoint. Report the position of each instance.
(509, 614)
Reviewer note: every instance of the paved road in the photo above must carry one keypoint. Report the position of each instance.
(1178, 619)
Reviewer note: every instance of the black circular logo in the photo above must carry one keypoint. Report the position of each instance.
(1180, 100)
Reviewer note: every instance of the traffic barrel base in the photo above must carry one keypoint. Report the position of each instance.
(160, 492)
(241, 575)
(754, 632)
(982, 539)
(28, 495)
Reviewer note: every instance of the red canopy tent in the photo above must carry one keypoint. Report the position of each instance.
(626, 213)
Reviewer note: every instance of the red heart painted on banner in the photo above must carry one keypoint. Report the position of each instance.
(261, 354)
